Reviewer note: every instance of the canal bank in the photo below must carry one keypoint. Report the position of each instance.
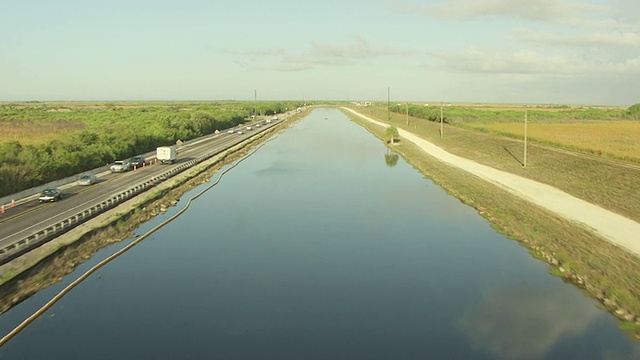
(574, 252)
(318, 246)
(49, 263)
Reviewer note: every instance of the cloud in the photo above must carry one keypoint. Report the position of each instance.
(358, 49)
(554, 11)
(521, 322)
(481, 60)
(318, 54)
(600, 39)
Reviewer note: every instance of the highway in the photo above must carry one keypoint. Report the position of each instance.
(30, 216)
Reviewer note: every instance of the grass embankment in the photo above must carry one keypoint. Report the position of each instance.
(605, 271)
(598, 180)
(48, 264)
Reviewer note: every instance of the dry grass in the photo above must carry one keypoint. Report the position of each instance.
(34, 133)
(608, 271)
(619, 139)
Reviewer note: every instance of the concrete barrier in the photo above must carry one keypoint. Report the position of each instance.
(40, 237)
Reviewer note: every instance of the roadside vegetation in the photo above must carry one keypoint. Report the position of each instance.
(48, 264)
(608, 273)
(42, 142)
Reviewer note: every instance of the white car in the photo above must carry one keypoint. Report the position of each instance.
(121, 166)
(231, 131)
(87, 179)
(239, 132)
(248, 127)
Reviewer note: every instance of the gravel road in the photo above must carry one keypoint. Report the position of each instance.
(609, 225)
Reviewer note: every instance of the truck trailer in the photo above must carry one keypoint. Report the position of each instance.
(166, 154)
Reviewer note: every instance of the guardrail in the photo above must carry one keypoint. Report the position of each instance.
(10, 252)
(37, 238)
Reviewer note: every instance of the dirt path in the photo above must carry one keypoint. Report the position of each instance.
(611, 226)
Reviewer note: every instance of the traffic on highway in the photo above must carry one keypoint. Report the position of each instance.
(32, 215)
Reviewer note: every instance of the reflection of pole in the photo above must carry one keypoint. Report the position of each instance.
(524, 163)
(441, 123)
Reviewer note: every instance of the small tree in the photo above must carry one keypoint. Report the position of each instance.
(634, 112)
(391, 134)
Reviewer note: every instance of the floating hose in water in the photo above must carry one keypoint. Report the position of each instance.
(102, 263)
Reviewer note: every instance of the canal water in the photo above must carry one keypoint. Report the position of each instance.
(321, 245)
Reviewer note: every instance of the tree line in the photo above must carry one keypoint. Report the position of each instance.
(110, 132)
(471, 114)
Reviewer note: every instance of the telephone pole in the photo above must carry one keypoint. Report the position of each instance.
(407, 114)
(441, 123)
(524, 162)
(388, 104)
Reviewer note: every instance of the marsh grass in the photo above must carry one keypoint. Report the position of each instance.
(29, 132)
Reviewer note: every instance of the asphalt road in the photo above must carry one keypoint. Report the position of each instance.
(31, 216)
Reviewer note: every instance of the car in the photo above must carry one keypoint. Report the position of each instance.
(137, 161)
(239, 132)
(248, 127)
(87, 179)
(258, 125)
(231, 131)
(120, 166)
(50, 195)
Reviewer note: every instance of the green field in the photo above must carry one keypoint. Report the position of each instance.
(41, 142)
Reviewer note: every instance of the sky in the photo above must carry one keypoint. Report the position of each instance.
(451, 51)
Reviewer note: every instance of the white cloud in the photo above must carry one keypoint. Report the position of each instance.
(319, 54)
(555, 11)
(480, 60)
(521, 322)
(359, 49)
(599, 39)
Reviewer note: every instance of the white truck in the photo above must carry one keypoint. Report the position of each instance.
(166, 154)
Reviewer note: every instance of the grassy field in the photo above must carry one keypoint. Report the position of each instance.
(36, 133)
(617, 139)
(602, 269)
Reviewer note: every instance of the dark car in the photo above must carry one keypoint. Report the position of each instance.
(137, 161)
(50, 195)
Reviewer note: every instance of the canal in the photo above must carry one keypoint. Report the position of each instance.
(321, 245)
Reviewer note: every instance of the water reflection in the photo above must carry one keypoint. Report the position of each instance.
(313, 249)
(391, 159)
(526, 322)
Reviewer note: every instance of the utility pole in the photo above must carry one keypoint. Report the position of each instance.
(407, 114)
(524, 163)
(441, 123)
(388, 104)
